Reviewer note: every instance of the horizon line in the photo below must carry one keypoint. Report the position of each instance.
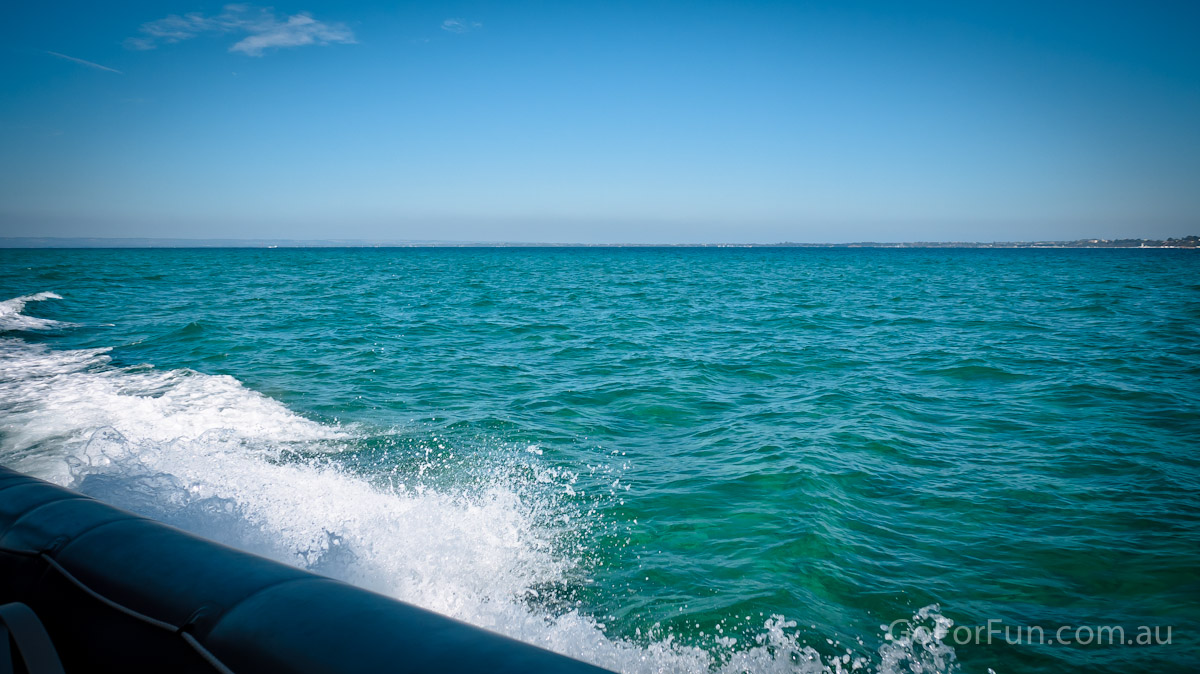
(86, 242)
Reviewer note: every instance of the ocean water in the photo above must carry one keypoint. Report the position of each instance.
(656, 460)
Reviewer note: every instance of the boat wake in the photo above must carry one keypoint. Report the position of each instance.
(500, 548)
(11, 317)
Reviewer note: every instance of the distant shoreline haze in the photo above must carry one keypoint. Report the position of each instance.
(99, 242)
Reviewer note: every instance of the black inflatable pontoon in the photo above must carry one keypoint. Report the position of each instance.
(119, 592)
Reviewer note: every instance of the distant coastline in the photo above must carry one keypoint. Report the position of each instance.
(1190, 242)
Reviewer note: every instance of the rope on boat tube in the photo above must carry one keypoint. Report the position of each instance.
(27, 633)
(190, 640)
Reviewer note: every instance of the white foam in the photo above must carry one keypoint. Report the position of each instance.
(53, 401)
(11, 317)
(207, 454)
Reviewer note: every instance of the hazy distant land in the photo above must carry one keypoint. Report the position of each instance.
(97, 242)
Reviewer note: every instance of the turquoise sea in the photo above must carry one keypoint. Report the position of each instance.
(657, 460)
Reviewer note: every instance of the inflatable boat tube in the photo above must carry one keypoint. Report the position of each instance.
(119, 592)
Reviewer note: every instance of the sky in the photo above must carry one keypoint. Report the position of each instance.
(601, 122)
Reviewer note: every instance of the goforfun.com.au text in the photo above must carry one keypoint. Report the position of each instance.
(996, 631)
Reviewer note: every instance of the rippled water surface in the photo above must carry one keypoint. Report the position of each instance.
(652, 459)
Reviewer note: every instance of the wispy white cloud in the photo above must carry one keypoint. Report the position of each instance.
(460, 26)
(261, 27)
(89, 64)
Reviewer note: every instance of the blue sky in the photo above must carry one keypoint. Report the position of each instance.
(601, 122)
